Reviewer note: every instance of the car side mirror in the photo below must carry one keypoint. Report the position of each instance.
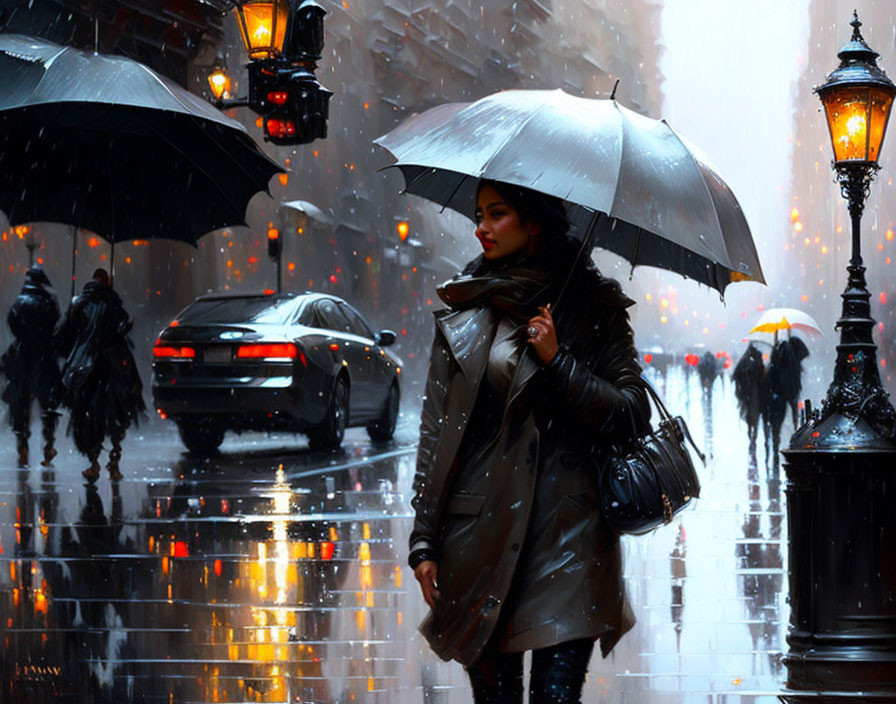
(384, 338)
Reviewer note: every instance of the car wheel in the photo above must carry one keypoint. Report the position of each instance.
(202, 436)
(329, 434)
(383, 428)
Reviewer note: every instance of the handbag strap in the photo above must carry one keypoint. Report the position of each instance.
(666, 416)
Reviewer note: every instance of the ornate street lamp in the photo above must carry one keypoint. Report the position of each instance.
(841, 464)
(857, 98)
(263, 27)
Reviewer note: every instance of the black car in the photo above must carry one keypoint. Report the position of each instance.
(306, 363)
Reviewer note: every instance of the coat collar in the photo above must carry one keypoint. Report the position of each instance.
(525, 370)
(469, 334)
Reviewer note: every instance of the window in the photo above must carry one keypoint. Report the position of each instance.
(239, 309)
(357, 326)
(329, 316)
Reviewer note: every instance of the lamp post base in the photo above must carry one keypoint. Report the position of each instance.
(841, 512)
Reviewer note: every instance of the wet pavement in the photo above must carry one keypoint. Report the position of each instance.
(275, 574)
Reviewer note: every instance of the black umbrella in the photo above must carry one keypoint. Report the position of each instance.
(104, 143)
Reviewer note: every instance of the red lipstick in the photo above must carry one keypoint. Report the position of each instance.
(486, 243)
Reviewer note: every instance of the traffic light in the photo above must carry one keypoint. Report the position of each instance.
(275, 245)
(304, 39)
(293, 105)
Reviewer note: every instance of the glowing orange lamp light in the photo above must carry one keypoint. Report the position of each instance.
(262, 26)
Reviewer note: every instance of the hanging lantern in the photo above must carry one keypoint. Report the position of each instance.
(263, 27)
(857, 97)
(219, 82)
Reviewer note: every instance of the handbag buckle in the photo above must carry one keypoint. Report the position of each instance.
(667, 510)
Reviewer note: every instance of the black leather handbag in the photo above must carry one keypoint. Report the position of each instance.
(652, 477)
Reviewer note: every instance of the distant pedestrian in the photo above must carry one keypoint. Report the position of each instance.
(751, 388)
(785, 382)
(30, 363)
(102, 386)
(708, 369)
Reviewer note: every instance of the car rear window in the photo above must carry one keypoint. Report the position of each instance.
(277, 311)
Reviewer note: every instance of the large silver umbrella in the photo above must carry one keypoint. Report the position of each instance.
(666, 206)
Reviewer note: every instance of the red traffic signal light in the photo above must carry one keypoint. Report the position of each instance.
(279, 128)
(293, 105)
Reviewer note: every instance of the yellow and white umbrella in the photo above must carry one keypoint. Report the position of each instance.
(789, 319)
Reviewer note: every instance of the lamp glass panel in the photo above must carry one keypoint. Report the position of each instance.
(847, 111)
(263, 27)
(881, 102)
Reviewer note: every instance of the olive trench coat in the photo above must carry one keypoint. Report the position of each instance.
(524, 555)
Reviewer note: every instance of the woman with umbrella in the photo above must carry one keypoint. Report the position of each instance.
(509, 546)
(524, 401)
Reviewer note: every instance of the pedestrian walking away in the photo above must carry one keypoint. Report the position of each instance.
(101, 385)
(750, 389)
(785, 383)
(30, 364)
(522, 404)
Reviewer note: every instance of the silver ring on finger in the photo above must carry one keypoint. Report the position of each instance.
(532, 331)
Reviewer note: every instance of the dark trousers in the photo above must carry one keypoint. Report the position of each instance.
(557, 676)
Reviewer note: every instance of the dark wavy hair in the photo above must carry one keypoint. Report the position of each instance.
(533, 206)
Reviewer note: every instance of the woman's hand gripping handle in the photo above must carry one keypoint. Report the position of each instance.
(543, 335)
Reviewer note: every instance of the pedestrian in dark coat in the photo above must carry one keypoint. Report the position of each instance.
(785, 382)
(708, 369)
(102, 386)
(751, 389)
(521, 409)
(30, 363)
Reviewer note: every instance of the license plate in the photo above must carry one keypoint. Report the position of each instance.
(217, 354)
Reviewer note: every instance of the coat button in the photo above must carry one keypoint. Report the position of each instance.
(515, 547)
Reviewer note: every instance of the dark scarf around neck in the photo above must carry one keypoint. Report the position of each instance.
(515, 287)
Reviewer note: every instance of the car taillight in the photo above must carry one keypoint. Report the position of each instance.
(277, 350)
(170, 352)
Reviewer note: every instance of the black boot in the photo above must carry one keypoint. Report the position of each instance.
(50, 419)
(22, 448)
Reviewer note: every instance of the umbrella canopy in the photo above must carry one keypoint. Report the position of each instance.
(104, 143)
(667, 207)
(775, 319)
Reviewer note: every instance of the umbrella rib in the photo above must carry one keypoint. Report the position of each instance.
(413, 180)
(715, 213)
(188, 110)
(241, 217)
(230, 157)
(460, 183)
(46, 65)
(513, 135)
(189, 113)
(636, 253)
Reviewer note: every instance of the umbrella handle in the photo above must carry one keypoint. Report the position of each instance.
(586, 241)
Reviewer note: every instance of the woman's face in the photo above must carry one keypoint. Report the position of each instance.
(498, 226)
